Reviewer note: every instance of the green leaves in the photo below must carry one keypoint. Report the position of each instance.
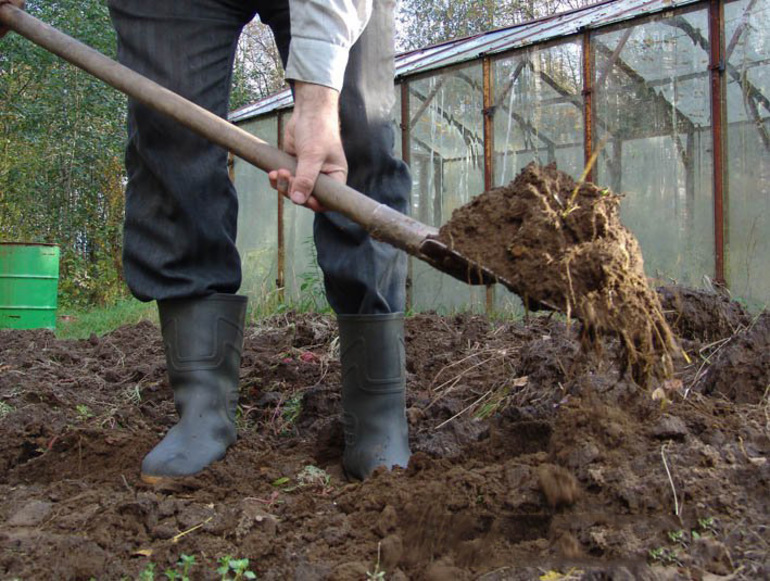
(234, 569)
(61, 145)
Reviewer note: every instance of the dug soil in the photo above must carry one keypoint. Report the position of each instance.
(532, 458)
(560, 243)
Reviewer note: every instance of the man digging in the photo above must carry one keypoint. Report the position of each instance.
(181, 211)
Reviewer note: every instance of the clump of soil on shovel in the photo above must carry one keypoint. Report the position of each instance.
(561, 244)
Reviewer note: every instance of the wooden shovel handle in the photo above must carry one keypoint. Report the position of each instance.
(379, 220)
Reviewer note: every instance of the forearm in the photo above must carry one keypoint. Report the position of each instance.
(323, 31)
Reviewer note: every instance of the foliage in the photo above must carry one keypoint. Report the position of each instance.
(312, 291)
(257, 70)
(680, 542)
(234, 569)
(421, 23)
(62, 135)
(229, 568)
(148, 573)
(61, 141)
(185, 563)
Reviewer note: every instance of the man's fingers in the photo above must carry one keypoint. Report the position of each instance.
(304, 180)
(337, 174)
(313, 204)
(280, 181)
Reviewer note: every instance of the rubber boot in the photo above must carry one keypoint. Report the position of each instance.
(203, 338)
(373, 393)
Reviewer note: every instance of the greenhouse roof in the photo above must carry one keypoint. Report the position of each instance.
(493, 42)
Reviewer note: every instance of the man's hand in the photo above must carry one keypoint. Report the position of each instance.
(19, 3)
(313, 136)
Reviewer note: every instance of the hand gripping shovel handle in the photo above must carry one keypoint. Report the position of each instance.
(379, 220)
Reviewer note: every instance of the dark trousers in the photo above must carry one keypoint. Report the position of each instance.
(181, 208)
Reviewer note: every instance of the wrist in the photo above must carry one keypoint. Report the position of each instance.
(311, 97)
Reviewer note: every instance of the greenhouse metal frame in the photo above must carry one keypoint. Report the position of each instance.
(665, 101)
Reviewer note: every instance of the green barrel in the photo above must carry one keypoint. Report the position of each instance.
(29, 280)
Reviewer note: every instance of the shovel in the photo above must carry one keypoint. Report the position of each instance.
(382, 222)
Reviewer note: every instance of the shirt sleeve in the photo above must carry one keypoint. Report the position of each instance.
(322, 33)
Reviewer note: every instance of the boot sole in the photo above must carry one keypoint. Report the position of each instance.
(154, 480)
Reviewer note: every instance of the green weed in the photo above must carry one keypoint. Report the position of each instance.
(185, 563)
(678, 537)
(287, 414)
(5, 409)
(133, 394)
(664, 556)
(378, 574)
(234, 569)
(148, 573)
(708, 525)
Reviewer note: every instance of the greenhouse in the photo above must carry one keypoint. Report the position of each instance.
(664, 101)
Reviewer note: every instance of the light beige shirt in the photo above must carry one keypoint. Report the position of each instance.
(322, 33)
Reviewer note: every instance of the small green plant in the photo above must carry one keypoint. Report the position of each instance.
(186, 563)
(148, 573)
(234, 569)
(494, 404)
(84, 412)
(282, 481)
(664, 556)
(291, 410)
(707, 525)
(133, 394)
(312, 293)
(5, 409)
(378, 574)
(286, 412)
(678, 537)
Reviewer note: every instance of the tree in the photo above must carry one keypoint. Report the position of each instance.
(61, 144)
(422, 23)
(258, 71)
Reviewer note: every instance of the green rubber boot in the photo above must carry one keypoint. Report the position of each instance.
(373, 393)
(203, 338)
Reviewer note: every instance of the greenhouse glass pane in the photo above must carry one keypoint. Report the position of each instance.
(747, 37)
(303, 277)
(257, 218)
(653, 129)
(447, 163)
(538, 109)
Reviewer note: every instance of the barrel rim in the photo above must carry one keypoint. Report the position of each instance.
(29, 244)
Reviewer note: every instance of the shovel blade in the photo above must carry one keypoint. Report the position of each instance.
(453, 263)
(459, 266)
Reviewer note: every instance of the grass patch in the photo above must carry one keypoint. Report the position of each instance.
(80, 324)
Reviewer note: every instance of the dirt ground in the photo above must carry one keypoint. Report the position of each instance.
(531, 459)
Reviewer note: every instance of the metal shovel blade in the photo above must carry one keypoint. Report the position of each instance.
(457, 265)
